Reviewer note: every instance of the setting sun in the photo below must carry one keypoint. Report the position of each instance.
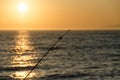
(22, 7)
(59, 14)
(59, 39)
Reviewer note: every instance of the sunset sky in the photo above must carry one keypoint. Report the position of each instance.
(59, 14)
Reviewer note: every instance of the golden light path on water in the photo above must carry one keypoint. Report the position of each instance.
(22, 42)
(23, 58)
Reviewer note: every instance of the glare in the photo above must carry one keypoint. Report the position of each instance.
(22, 42)
(22, 7)
(22, 74)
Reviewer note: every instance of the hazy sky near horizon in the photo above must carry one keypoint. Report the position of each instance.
(60, 14)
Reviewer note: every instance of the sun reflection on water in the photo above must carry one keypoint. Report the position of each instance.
(23, 60)
(22, 42)
(22, 47)
(22, 74)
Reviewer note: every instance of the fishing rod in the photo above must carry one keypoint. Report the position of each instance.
(40, 60)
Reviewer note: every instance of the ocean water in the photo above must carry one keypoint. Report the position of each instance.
(80, 55)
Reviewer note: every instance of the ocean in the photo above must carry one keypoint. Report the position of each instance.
(80, 55)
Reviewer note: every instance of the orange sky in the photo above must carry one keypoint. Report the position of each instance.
(60, 14)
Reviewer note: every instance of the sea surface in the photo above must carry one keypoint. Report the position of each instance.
(80, 55)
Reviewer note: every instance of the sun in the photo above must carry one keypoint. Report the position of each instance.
(22, 7)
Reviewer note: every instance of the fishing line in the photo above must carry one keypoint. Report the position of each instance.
(50, 49)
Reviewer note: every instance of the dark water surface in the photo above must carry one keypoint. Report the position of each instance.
(81, 55)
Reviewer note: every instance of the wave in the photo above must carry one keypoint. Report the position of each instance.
(15, 68)
(7, 78)
(77, 75)
(63, 76)
(56, 48)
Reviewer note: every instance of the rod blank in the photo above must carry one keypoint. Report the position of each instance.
(50, 49)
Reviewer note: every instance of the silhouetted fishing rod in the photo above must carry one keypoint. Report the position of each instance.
(40, 60)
